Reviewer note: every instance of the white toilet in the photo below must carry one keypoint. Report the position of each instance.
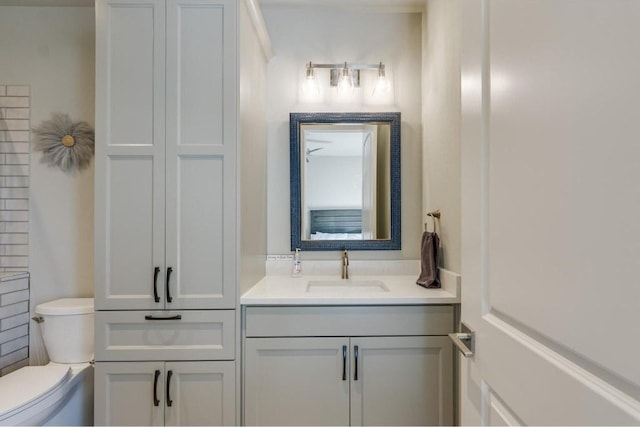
(61, 392)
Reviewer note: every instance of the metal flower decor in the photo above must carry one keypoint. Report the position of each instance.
(65, 144)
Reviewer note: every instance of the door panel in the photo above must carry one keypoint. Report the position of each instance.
(201, 394)
(296, 381)
(133, 49)
(132, 246)
(199, 47)
(200, 278)
(130, 152)
(548, 119)
(419, 369)
(201, 153)
(124, 394)
(561, 140)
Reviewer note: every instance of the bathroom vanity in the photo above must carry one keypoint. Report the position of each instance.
(370, 351)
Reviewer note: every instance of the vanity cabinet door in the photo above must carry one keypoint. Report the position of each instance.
(129, 394)
(201, 394)
(296, 381)
(165, 393)
(401, 381)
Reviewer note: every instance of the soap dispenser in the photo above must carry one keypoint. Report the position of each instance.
(297, 265)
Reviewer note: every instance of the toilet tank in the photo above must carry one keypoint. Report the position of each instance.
(67, 329)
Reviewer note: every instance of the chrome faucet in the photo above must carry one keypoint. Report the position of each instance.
(345, 264)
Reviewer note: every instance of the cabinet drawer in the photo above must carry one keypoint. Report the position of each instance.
(195, 335)
(326, 321)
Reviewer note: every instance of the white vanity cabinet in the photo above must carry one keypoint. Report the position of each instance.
(348, 365)
(165, 393)
(165, 205)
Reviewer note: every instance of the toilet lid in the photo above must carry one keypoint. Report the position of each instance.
(26, 385)
(66, 306)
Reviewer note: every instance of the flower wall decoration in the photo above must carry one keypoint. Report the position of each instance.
(65, 144)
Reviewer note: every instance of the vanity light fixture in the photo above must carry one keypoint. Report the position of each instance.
(346, 76)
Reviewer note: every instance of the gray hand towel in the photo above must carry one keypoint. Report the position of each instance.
(430, 253)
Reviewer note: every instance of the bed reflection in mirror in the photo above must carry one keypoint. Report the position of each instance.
(345, 180)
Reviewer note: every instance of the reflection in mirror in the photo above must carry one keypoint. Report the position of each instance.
(345, 173)
(345, 181)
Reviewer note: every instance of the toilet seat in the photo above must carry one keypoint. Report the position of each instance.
(31, 386)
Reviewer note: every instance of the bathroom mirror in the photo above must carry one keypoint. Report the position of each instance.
(345, 181)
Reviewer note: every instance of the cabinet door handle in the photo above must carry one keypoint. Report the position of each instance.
(156, 401)
(344, 363)
(156, 271)
(355, 354)
(152, 317)
(169, 375)
(169, 271)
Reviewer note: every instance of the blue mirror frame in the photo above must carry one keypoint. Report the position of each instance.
(295, 120)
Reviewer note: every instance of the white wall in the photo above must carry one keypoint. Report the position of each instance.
(52, 50)
(334, 182)
(253, 153)
(330, 35)
(441, 188)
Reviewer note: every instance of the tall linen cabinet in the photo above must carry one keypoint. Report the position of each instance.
(175, 187)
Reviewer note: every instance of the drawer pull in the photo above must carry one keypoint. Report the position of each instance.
(169, 375)
(344, 363)
(151, 317)
(169, 271)
(355, 354)
(156, 271)
(156, 401)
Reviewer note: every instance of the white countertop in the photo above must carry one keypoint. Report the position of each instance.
(402, 290)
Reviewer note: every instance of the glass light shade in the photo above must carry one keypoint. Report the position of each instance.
(382, 86)
(344, 83)
(310, 86)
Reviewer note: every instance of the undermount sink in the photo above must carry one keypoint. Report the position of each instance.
(349, 285)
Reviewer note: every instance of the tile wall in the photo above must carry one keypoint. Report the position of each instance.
(14, 321)
(14, 177)
(14, 226)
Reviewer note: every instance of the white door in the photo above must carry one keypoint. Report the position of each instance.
(550, 211)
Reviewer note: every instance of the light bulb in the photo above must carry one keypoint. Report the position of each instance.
(382, 84)
(344, 83)
(310, 86)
